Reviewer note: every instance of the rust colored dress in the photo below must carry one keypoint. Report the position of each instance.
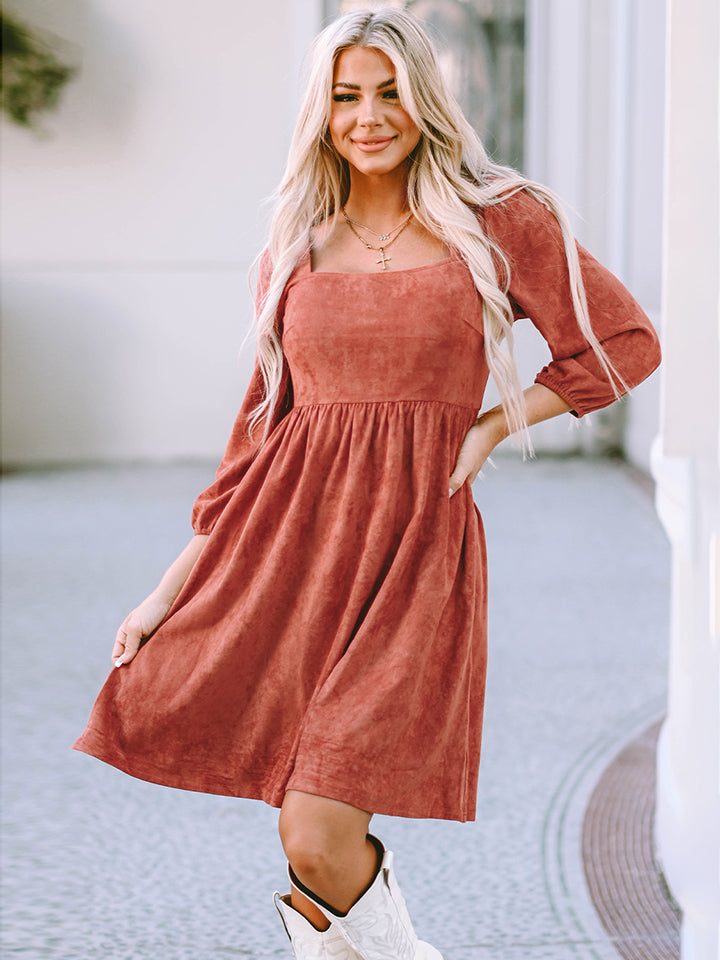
(331, 638)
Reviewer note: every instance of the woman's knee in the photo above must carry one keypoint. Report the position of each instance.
(319, 834)
(310, 855)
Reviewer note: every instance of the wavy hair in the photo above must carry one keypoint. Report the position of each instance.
(450, 179)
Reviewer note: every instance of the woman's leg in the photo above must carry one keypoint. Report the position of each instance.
(326, 844)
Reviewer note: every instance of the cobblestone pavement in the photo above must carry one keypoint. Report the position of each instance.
(98, 865)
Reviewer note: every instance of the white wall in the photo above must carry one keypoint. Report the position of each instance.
(128, 234)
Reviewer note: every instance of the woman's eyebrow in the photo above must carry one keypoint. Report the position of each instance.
(355, 86)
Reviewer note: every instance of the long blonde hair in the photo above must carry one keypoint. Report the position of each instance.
(451, 178)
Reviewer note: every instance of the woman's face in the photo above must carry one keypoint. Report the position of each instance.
(368, 126)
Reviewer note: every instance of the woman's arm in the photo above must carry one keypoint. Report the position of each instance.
(531, 240)
(147, 617)
(491, 428)
(242, 449)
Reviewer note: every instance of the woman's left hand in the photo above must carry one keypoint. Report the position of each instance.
(480, 441)
(491, 427)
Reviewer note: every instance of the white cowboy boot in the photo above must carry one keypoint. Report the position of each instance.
(309, 943)
(377, 926)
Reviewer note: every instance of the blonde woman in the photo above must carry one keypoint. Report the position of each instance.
(320, 643)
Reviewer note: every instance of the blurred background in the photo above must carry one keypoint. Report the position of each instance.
(140, 142)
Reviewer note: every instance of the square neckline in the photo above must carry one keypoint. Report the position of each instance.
(307, 264)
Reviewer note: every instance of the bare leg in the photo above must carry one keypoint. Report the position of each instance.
(326, 844)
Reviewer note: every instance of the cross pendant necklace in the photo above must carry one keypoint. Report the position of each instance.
(383, 260)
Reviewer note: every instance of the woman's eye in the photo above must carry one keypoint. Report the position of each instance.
(351, 97)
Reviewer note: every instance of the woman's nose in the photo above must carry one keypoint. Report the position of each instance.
(367, 114)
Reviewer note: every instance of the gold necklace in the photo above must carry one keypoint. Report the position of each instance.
(380, 236)
(381, 250)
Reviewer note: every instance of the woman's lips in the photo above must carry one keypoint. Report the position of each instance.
(373, 145)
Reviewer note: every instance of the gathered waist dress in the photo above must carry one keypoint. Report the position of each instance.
(331, 638)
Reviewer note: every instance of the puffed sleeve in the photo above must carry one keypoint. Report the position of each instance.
(530, 237)
(241, 449)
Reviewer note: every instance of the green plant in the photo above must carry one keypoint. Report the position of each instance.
(32, 75)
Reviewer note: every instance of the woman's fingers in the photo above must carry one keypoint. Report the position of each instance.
(463, 470)
(466, 464)
(138, 625)
(476, 448)
(119, 646)
(127, 644)
(457, 479)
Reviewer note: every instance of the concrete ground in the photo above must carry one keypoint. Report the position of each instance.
(98, 865)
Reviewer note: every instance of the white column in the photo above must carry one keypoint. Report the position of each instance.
(645, 192)
(687, 470)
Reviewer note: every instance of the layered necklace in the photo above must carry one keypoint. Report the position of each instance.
(385, 239)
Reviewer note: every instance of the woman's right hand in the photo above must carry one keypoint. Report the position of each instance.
(151, 612)
(138, 624)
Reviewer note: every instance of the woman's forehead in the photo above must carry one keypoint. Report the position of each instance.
(364, 65)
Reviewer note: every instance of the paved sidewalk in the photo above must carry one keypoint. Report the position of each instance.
(98, 866)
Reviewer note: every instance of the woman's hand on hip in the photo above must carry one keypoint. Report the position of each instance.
(480, 441)
(137, 625)
(491, 427)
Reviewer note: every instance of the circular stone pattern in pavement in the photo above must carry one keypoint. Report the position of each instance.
(624, 880)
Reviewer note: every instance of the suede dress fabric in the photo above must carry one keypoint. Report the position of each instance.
(331, 638)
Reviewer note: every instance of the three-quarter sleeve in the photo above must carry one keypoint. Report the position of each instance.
(241, 448)
(530, 237)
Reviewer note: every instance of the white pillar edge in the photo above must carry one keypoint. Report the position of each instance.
(621, 104)
(536, 90)
(685, 464)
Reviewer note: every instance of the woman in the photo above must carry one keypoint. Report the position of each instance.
(320, 643)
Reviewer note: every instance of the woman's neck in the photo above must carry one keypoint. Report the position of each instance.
(377, 202)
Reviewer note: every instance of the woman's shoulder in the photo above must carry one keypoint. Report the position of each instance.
(321, 232)
(266, 266)
(516, 216)
(513, 203)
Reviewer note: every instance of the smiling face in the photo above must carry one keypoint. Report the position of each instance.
(368, 126)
